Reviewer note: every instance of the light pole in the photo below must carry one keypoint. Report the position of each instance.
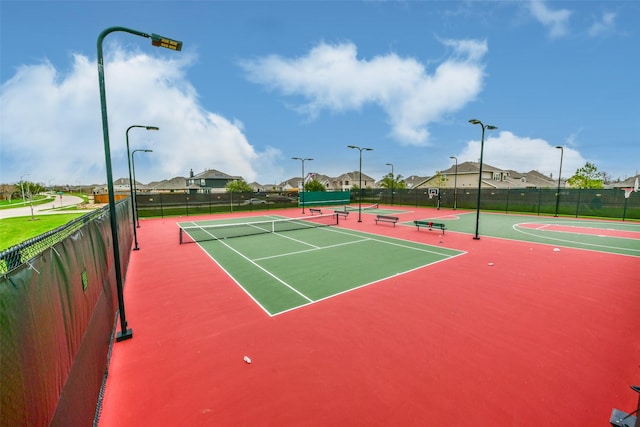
(455, 185)
(360, 176)
(131, 184)
(156, 40)
(22, 186)
(392, 181)
(133, 166)
(302, 160)
(489, 127)
(559, 175)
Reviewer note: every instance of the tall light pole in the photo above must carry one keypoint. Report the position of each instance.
(22, 186)
(489, 127)
(455, 185)
(302, 160)
(131, 183)
(392, 182)
(156, 40)
(133, 166)
(559, 175)
(360, 176)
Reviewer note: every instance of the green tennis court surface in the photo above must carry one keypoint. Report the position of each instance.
(285, 270)
(606, 236)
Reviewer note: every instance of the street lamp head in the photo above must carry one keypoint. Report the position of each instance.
(152, 128)
(167, 43)
(560, 147)
(388, 164)
(475, 122)
(147, 151)
(368, 149)
(491, 127)
(453, 157)
(353, 146)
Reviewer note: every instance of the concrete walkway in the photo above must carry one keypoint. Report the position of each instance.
(54, 207)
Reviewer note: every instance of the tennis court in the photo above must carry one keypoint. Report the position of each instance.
(501, 331)
(285, 263)
(598, 235)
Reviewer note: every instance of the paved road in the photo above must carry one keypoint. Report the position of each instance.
(52, 207)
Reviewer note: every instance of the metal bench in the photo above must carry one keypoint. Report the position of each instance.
(343, 214)
(387, 218)
(430, 225)
(315, 211)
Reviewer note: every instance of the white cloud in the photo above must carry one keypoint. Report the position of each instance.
(605, 25)
(52, 128)
(332, 77)
(556, 21)
(523, 154)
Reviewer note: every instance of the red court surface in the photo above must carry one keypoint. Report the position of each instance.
(538, 338)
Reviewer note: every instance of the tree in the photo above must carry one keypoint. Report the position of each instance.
(238, 186)
(587, 176)
(314, 185)
(388, 181)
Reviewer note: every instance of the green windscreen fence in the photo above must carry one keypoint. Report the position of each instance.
(57, 313)
(324, 198)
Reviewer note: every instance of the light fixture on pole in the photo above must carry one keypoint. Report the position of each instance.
(455, 185)
(131, 183)
(360, 176)
(156, 40)
(489, 127)
(302, 160)
(392, 182)
(133, 166)
(559, 175)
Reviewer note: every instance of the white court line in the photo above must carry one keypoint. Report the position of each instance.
(596, 245)
(316, 248)
(267, 272)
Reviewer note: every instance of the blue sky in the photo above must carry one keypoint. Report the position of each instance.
(259, 82)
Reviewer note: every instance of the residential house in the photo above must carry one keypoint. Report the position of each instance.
(177, 185)
(348, 180)
(492, 177)
(209, 181)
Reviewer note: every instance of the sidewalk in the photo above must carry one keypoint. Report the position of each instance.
(53, 207)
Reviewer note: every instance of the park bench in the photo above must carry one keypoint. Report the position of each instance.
(341, 213)
(429, 224)
(315, 211)
(387, 218)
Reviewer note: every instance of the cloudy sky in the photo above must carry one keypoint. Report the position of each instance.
(259, 82)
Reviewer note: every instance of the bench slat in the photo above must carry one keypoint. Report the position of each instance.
(429, 225)
(387, 218)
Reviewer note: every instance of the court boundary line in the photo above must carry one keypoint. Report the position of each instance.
(367, 284)
(396, 244)
(362, 237)
(544, 227)
(577, 243)
(315, 248)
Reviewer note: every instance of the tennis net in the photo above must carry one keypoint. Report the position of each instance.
(364, 208)
(195, 233)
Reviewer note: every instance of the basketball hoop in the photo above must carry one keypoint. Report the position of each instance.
(628, 191)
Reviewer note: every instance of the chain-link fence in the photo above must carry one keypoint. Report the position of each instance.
(606, 203)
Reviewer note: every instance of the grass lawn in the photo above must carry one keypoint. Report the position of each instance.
(17, 230)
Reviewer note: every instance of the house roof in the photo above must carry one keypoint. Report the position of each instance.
(176, 183)
(214, 174)
(353, 176)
